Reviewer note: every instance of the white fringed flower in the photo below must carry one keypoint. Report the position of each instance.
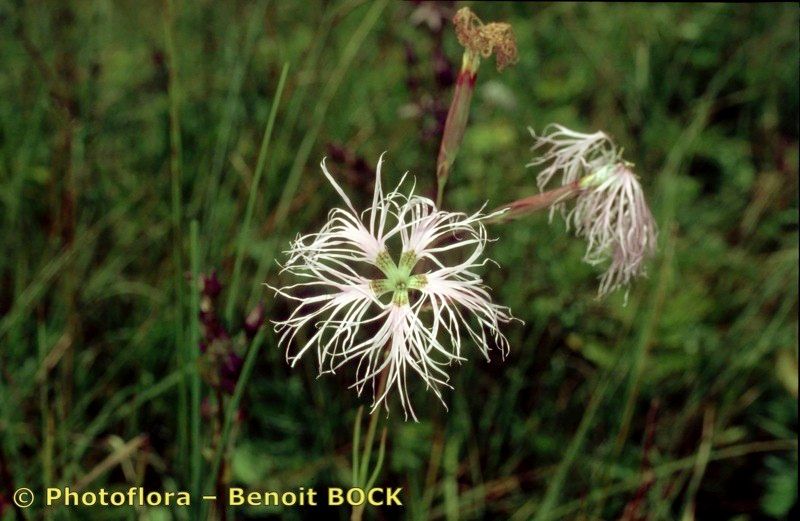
(611, 212)
(379, 292)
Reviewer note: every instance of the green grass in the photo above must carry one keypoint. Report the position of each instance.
(141, 146)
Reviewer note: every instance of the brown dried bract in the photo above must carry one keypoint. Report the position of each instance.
(486, 39)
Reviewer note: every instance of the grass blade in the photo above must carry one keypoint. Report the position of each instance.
(356, 444)
(233, 406)
(193, 355)
(321, 109)
(251, 201)
(176, 218)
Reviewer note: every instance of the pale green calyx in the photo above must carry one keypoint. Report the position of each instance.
(600, 176)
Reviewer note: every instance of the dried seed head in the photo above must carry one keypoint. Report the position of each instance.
(486, 39)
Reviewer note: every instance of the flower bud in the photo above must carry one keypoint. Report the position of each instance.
(254, 321)
(211, 285)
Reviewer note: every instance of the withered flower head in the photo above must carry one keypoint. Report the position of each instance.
(486, 39)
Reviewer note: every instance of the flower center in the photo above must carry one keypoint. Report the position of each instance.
(398, 277)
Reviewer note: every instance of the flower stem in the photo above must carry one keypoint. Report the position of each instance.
(534, 203)
(456, 123)
(193, 356)
(175, 167)
(361, 471)
(220, 486)
(217, 461)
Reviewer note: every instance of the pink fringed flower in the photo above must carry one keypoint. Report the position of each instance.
(611, 212)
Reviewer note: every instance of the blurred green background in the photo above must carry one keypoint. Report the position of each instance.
(680, 405)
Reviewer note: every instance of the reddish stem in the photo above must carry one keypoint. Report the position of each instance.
(534, 203)
(454, 127)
